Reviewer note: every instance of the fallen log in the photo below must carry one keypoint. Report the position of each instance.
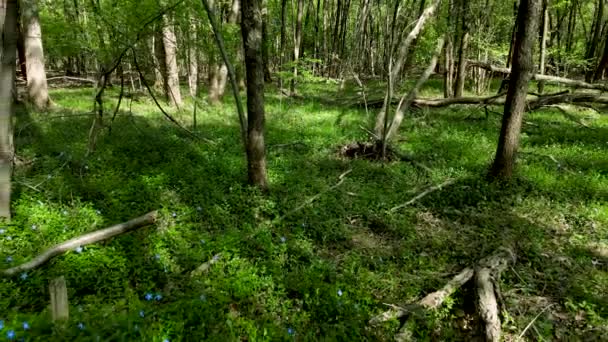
(83, 240)
(539, 77)
(486, 274)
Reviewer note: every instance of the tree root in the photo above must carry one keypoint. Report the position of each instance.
(83, 240)
(486, 274)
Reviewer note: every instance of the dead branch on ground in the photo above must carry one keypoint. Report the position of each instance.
(486, 274)
(83, 240)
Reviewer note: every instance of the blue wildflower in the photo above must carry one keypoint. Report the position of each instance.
(142, 314)
(65, 212)
(203, 241)
(216, 257)
(9, 238)
(157, 256)
(26, 326)
(81, 326)
(78, 250)
(166, 340)
(283, 239)
(10, 334)
(1, 324)
(148, 296)
(49, 176)
(174, 215)
(203, 298)
(158, 297)
(290, 331)
(2, 231)
(339, 292)
(9, 259)
(98, 212)
(34, 227)
(23, 276)
(199, 208)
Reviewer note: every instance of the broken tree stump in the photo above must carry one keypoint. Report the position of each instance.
(60, 309)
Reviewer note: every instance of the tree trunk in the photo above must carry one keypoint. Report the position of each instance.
(172, 90)
(8, 49)
(508, 143)
(282, 47)
(37, 89)
(400, 61)
(592, 46)
(603, 62)
(222, 73)
(193, 60)
(251, 28)
(543, 45)
(448, 59)
(464, 41)
(266, 44)
(297, 45)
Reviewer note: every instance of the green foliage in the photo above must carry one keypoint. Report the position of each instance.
(323, 271)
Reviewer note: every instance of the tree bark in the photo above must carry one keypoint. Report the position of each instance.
(508, 143)
(592, 46)
(601, 67)
(251, 28)
(448, 76)
(464, 42)
(543, 45)
(297, 45)
(8, 48)
(282, 47)
(221, 75)
(193, 60)
(37, 88)
(172, 90)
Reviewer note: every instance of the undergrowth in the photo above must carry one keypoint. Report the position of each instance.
(321, 272)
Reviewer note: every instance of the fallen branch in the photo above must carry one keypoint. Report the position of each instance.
(73, 79)
(486, 273)
(424, 193)
(83, 240)
(430, 302)
(205, 266)
(539, 77)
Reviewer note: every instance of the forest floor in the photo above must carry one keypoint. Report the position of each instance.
(321, 272)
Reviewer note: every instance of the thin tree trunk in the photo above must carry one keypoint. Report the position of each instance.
(508, 143)
(251, 28)
(265, 44)
(193, 60)
(8, 49)
(172, 90)
(464, 41)
(37, 88)
(402, 56)
(406, 101)
(448, 77)
(603, 64)
(592, 46)
(282, 47)
(297, 45)
(543, 45)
